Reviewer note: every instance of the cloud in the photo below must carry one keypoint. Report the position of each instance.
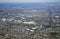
(29, 0)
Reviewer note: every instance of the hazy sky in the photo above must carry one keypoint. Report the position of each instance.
(29, 0)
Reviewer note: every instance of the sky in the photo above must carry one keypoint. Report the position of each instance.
(29, 0)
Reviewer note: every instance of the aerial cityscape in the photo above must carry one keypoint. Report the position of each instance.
(29, 21)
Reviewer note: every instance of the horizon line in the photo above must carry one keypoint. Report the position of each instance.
(29, 2)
